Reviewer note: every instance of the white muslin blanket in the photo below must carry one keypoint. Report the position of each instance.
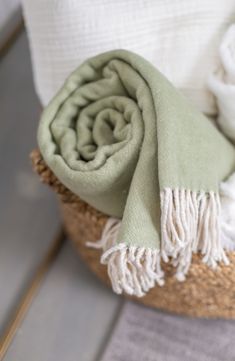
(179, 37)
(222, 84)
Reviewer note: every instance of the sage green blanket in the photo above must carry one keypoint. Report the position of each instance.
(122, 138)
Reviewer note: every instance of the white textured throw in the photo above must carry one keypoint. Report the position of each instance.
(222, 84)
(179, 37)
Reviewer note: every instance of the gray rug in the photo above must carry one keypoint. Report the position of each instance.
(148, 335)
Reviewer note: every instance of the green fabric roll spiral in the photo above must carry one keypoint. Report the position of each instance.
(121, 137)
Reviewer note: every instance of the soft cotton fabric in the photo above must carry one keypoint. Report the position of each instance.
(179, 37)
(120, 136)
(222, 84)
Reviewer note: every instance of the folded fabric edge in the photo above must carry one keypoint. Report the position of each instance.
(191, 222)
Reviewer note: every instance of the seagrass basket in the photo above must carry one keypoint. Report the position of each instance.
(205, 292)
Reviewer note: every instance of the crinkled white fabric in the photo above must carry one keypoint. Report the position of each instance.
(180, 37)
(227, 197)
(222, 84)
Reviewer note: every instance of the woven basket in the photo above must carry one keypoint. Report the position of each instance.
(205, 293)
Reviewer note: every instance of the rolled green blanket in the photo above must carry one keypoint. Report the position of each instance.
(123, 139)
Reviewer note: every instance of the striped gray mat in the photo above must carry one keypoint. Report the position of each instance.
(149, 335)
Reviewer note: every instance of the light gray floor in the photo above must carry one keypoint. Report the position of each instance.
(71, 317)
(25, 205)
(73, 313)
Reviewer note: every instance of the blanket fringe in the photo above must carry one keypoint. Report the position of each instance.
(133, 270)
(191, 222)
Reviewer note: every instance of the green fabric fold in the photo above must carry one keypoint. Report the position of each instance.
(120, 136)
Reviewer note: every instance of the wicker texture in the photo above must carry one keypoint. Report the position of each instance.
(205, 293)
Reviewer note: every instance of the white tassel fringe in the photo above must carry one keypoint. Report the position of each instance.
(133, 270)
(191, 222)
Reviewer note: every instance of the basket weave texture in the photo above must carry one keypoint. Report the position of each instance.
(205, 293)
